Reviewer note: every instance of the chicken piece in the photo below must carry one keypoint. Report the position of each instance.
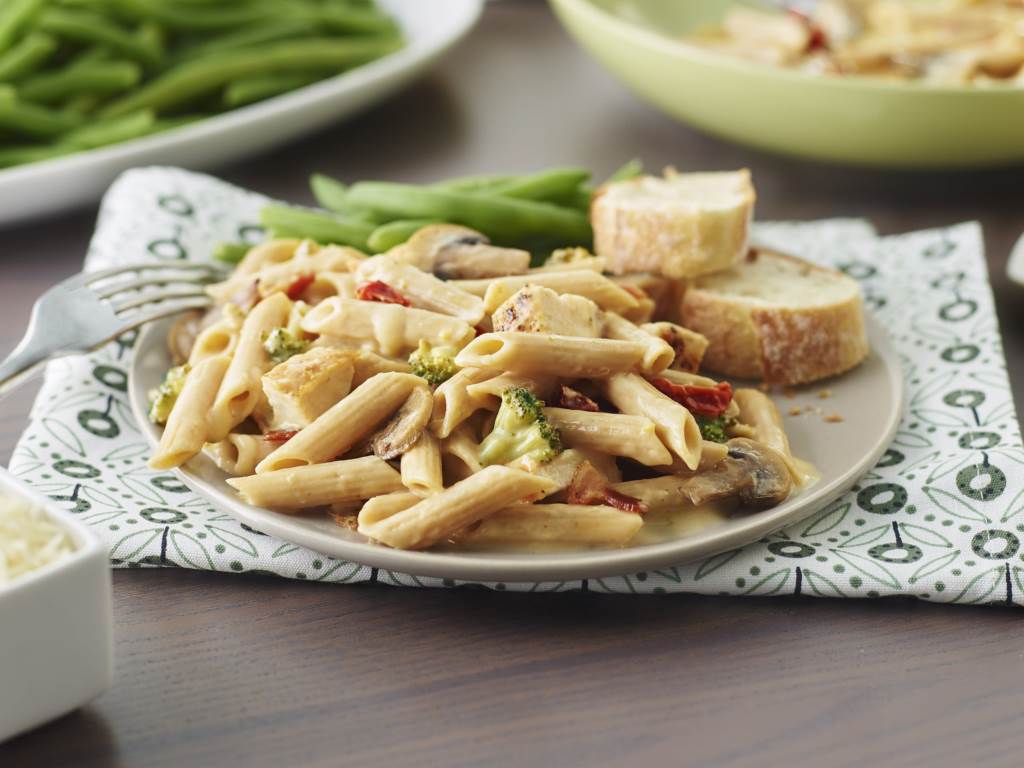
(304, 386)
(536, 309)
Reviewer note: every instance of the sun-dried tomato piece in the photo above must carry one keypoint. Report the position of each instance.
(378, 290)
(570, 398)
(299, 284)
(624, 502)
(702, 401)
(817, 40)
(590, 487)
(280, 435)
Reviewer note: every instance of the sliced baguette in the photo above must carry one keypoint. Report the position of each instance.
(777, 318)
(682, 225)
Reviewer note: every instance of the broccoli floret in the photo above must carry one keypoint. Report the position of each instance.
(714, 429)
(163, 398)
(281, 344)
(435, 364)
(520, 429)
(567, 255)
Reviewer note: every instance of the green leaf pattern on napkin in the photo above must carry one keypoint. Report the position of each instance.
(940, 517)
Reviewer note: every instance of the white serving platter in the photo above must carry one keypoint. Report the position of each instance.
(431, 27)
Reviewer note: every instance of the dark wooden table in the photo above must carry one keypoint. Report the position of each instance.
(217, 669)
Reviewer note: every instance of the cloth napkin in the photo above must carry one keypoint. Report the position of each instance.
(939, 517)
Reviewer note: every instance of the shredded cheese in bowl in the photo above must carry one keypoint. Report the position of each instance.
(28, 539)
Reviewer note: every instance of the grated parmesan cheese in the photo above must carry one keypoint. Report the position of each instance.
(28, 540)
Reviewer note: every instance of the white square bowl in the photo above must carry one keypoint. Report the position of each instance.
(56, 638)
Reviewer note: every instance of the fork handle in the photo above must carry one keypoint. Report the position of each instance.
(19, 366)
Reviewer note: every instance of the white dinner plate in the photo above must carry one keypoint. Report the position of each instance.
(430, 28)
(869, 398)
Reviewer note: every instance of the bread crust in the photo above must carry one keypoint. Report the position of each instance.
(777, 344)
(671, 241)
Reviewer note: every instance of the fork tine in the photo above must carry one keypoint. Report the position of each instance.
(134, 321)
(88, 278)
(155, 298)
(122, 287)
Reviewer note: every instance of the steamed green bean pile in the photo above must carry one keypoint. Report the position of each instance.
(80, 74)
(536, 211)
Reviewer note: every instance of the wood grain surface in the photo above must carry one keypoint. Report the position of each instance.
(229, 670)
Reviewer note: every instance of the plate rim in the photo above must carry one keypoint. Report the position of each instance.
(563, 566)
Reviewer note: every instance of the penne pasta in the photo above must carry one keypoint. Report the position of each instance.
(460, 453)
(422, 289)
(391, 327)
(758, 411)
(219, 338)
(382, 507)
(675, 425)
(565, 524)
(616, 434)
(542, 386)
(554, 376)
(239, 454)
(658, 355)
(688, 346)
(437, 517)
(185, 433)
(535, 353)
(264, 255)
(454, 403)
(240, 389)
(316, 485)
(345, 423)
(591, 285)
(421, 466)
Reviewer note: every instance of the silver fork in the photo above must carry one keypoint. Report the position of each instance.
(92, 308)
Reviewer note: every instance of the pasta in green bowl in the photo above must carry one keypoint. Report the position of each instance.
(910, 123)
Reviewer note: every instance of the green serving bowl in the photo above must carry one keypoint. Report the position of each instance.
(852, 120)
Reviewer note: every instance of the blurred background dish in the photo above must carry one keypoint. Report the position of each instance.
(428, 30)
(862, 120)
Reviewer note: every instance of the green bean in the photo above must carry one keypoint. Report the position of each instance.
(502, 218)
(87, 27)
(104, 132)
(231, 253)
(481, 183)
(396, 232)
(14, 17)
(98, 77)
(197, 18)
(187, 81)
(23, 57)
(31, 119)
(319, 225)
(329, 193)
(248, 37)
(352, 20)
(581, 198)
(259, 87)
(545, 185)
(628, 170)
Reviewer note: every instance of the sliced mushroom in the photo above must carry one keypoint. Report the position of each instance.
(752, 472)
(453, 252)
(402, 432)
